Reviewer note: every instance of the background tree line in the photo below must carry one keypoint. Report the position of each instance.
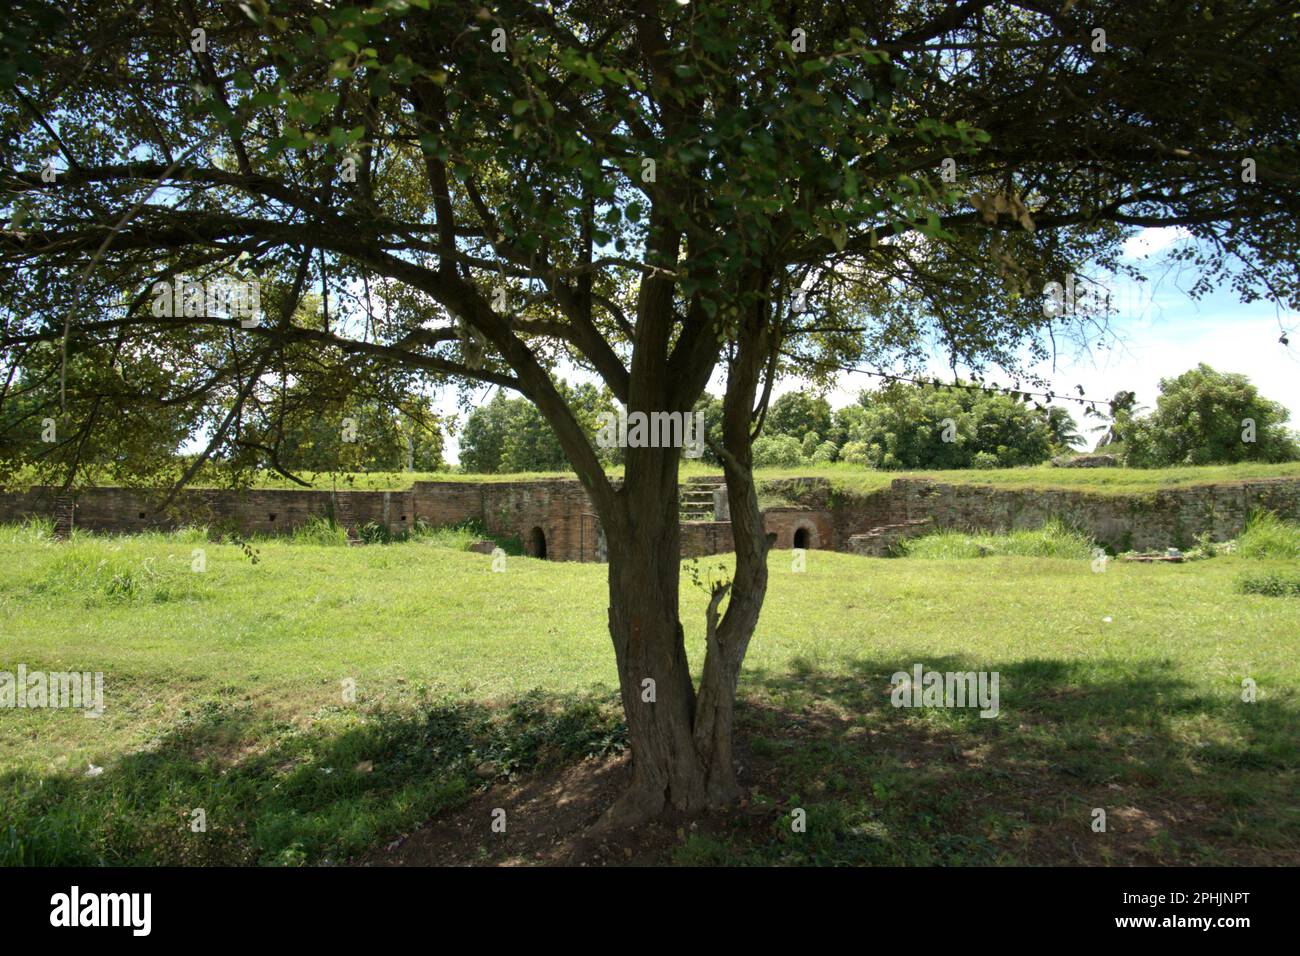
(1201, 417)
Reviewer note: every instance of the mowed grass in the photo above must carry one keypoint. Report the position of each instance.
(854, 478)
(225, 690)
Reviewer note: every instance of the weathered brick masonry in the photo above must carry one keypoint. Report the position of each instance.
(550, 517)
(1156, 520)
(555, 518)
(125, 510)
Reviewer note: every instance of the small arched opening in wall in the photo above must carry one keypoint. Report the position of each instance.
(805, 536)
(537, 543)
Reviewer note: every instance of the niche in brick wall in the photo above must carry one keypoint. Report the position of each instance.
(537, 543)
(806, 536)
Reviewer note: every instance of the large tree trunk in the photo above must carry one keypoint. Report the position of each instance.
(682, 748)
(681, 737)
(654, 674)
(654, 677)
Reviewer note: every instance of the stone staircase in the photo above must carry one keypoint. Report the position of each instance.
(695, 500)
(879, 542)
(64, 505)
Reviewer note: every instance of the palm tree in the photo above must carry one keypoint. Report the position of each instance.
(1123, 408)
(1063, 428)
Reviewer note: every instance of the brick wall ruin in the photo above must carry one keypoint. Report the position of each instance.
(1171, 517)
(555, 518)
(550, 518)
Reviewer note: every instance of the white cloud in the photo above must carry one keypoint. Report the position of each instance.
(1149, 241)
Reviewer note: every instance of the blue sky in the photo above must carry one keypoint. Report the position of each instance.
(1161, 332)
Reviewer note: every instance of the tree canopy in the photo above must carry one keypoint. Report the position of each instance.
(912, 426)
(1206, 417)
(510, 435)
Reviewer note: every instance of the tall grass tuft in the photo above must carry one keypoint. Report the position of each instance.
(320, 530)
(1270, 584)
(32, 530)
(100, 570)
(1053, 540)
(1268, 536)
(459, 537)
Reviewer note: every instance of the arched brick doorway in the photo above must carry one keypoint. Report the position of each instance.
(805, 536)
(537, 543)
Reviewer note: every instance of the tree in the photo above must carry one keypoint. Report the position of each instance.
(917, 426)
(797, 414)
(1063, 429)
(510, 435)
(365, 436)
(481, 193)
(124, 436)
(1206, 417)
(1123, 407)
(482, 440)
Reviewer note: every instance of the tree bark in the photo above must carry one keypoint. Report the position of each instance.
(658, 695)
(681, 737)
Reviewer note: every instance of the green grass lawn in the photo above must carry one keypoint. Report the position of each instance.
(1115, 481)
(1120, 690)
(851, 477)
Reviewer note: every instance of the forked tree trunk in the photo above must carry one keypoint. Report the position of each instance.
(681, 737)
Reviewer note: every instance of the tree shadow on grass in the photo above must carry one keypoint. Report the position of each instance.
(272, 792)
(1185, 774)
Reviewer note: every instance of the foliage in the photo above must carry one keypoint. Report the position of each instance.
(1063, 428)
(796, 414)
(914, 426)
(783, 170)
(509, 435)
(1271, 584)
(1206, 417)
(1118, 414)
(320, 530)
(824, 452)
(777, 451)
(711, 407)
(1268, 536)
(855, 453)
(364, 437)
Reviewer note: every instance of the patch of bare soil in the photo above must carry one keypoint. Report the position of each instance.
(548, 818)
